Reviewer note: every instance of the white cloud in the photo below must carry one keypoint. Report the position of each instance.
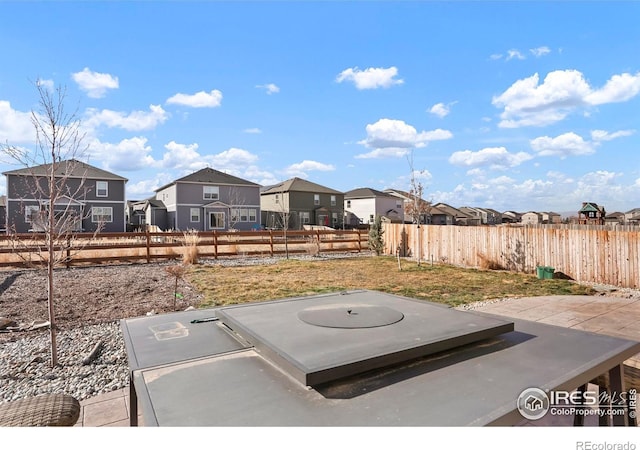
(145, 188)
(440, 110)
(183, 157)
(252, 130)
(540, 51)
(200, 99)
(602, 135)
(49, 84)
(529, 103)
(302, 168)
(234, 159)
(495, 56)
(269, 88)
(619, 88)
(493, 157)
(394, 138)
(568, 144)
(371, 78)
(127, 155)
(514, 54)
(15, 126)
(134, 121)
(95, 84)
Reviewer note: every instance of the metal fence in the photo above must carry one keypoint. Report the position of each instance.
(607, 255)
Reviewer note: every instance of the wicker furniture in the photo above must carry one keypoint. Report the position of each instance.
(49, 410)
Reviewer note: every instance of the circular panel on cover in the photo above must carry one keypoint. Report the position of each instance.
(350, 316)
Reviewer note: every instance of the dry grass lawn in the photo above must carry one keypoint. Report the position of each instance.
(446, 284)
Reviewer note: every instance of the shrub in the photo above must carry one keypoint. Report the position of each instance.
(375, 236)
(190, 251)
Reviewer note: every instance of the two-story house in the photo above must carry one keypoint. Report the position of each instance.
(91, 198)
(459, 217)
(531, 218)
(301, 202)
(414, 208)
(592, 214)
(205, 200)
(362, 205)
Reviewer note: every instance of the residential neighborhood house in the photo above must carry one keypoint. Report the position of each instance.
(592, 214)
(297, 202)
(362, 205)
(93, 199)
(204, 200)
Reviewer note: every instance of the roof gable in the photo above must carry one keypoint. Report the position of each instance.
(299, 185)
(210, 176)
(367, 193)
(71, 168)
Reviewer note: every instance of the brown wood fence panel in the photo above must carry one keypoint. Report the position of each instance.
(17, 250)
(597, 254)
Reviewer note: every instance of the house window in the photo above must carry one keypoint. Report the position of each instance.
(348, 203)
(277, 198)
(216, 220)
(243, 215)
(399, 204)
(333, 200)
(102, 189)
(101, 214)
(370, 218)
(31, 213)
(304, 217)
(334, 218)
(195, 214)
(210, 192)
(316, 199)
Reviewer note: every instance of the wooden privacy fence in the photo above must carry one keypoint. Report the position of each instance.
(588, 254)
(21, 250)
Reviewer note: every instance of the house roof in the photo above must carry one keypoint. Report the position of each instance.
(210, 176)
(298, 185)
(451, 210)
(367, 193)
(590, 206)
(71, 168)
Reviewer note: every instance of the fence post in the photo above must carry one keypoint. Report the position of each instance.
(148, 236)
(318, 236)
(359, 241)
(68, 257)
(215, 244)
(271, 241)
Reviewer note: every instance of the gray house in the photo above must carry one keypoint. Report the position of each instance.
(94, 198)
(205, 200)
(302, 203)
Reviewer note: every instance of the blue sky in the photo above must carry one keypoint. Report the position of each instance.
(508, 105)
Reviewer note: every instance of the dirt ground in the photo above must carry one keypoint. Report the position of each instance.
(87, 296)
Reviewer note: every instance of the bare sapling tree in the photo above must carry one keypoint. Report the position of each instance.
(283, 217)
(417, 208)
(52, 191)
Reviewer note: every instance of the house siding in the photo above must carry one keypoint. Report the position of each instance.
(21, 190)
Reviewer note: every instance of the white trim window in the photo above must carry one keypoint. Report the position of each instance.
(101, 214)
(102, 188)
(316, 199)
(216, 220)
(277, 198)
(195, 215)
(348, 203)
(31, 212)
(334, 219)
(210, 192)
(304, 217)
(243, 214)
(333, 200)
